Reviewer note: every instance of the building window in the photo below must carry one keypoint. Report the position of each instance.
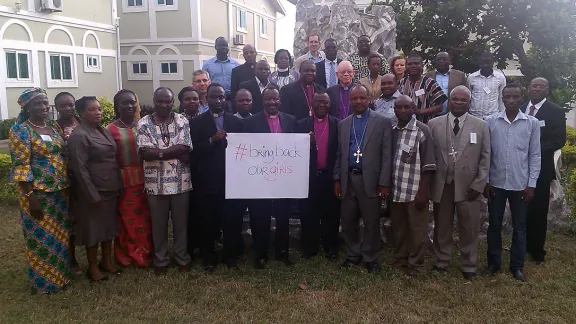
(241, 22)
(92, 62)
(169, 68)
(166, 2)
(61, 67)
(136, 3)
(18, 66)
(263, 27)
(140, 68)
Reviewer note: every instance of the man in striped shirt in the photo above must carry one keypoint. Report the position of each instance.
(486, 86)
(424, 91)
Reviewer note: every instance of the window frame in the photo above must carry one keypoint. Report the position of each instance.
(263, 22)
(61, 83)
(239, 27)
(139, 76)
(127, 8)
(91, 68)
(164, 6)
(170, 64)
(18, 79)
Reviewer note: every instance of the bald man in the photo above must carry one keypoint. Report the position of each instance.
(244, 72)
(552, 121)
(340, 93)
(296, 97)
(462, 151)
(413, 166)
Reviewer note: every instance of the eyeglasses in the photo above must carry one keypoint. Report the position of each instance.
(201, 81)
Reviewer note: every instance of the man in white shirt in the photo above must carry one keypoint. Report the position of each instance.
(314, 54)
(486, 86)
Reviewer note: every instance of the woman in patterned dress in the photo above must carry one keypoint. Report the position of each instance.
(38, 166)
(133, 245)
(65, 104)
(283, 75)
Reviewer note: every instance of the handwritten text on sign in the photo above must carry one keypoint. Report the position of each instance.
(267, 166)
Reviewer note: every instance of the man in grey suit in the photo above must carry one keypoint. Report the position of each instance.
(362, 176)
(462, 150)
(447, 78)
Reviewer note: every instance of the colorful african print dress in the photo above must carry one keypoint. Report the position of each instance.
(133, 245)
(39, 159)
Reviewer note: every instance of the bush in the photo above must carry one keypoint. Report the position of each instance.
(8, 190)
(107, 111)
(569, 149)
(5, 126)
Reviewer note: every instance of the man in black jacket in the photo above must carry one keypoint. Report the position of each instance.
(320, 211)
(296, 97)
(271, 120)
(327, 68)
(257, 84)
(209, 141)
(552, 121)
(245, 71)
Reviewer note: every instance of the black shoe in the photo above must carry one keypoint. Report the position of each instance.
(539, 262)
(439, 269)
(232, 264)
(259, 263)
(332, 256)
(519, 275)
(209, 267)
(490, 270)
(373, 267)
(160, 271)
(348, 263)
(285, 259)
(468, 275)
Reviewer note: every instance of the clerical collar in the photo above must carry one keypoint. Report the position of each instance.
(345, 88)
(320, 119)
(283, 70)
(271, 116)
(362, 115)
(216, 115)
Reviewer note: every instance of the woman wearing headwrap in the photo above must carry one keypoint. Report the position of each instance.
(283, 75)
(97, 184)
(133, 245)
(39, 168)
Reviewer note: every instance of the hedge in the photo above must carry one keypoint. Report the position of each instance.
(8, 190)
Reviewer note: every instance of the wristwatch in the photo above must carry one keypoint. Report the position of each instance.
(160, 155)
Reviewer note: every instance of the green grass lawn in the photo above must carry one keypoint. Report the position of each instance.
(312, 291)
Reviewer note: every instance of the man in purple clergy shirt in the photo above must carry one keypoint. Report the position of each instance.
(270, 120)
(320, 216)
(340, 93)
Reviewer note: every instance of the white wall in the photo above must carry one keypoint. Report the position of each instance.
(285, 28)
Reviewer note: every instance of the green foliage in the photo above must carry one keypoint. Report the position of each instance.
(146, 110)
(107, 110)
(8, 190)
(5, 126)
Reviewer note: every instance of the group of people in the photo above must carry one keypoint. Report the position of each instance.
(403, 138)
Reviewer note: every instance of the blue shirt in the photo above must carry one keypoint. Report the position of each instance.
(515, 151)
(443, 81)
(357, 134)
(316, 60)
(221, 71)
(330, 80)
(203, 107)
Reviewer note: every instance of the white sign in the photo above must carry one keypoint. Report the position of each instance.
(267, 166)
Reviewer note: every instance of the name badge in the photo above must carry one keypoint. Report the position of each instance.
(405, 148)
(473, 139)
(46, 138)
(420, 92)
(542, 123)
(488, 91)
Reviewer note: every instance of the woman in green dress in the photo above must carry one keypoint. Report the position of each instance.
(39, 169)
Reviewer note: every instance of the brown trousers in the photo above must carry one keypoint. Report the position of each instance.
(410, 230)
(468, 213)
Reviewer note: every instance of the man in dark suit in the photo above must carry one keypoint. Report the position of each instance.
(340, 93)
(362, 176)
(320, 211)
(552, 121)
(257, 84)
(447, 78)
(296, 97)
(271, 120)
(326, 69)
(244, 72)
(209, 142)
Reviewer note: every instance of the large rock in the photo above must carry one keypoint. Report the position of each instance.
(344, 22)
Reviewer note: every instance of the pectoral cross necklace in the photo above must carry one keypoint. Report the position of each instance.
(453, 154)
(358, 153)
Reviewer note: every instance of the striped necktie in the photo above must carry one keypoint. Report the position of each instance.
(332, 81)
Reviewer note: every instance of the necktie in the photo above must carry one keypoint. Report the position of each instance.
(532, 110)
(456, 126)
(332, 80)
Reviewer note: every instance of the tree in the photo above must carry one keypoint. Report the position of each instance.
(539, 33)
